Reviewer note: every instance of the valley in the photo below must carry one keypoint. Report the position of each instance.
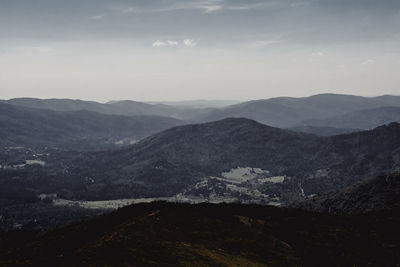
(65, 167)
(200, 133)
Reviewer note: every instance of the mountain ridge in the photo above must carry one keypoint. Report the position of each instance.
(125, 107)
(377, 193)
(169, 162)
(21, 126)
(283, 112)
(286, 112)
(361, 119)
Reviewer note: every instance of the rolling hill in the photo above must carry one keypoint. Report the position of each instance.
(232, 159)
(124, 107)
(168, 234)
(323, 130)
(362, 119)
(283, 112)
(286, 112)
(378, 193)
(20, 126)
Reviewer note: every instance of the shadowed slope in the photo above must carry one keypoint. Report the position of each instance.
(382, 192)
(167, 234)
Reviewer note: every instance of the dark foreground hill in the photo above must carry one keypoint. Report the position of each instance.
(379, 193)
(167, 234)
(21, 126)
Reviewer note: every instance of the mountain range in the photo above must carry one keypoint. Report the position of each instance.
(187, 155)
(234, 158)
(231, 159)
(227, 160)
(123, 107)
(324, 130)
(32, 127)
(332, 168)
(325, 110)
(286, 112)
(361, 119)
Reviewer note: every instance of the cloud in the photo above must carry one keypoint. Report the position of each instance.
(125, 9)
(247, 6)
(299, 4)
(262, 43)
(207, 6)
(265, 4)
(158, 43)
(210, 9)
(128, 10)
(368, 62)
(189, 42)
(97, 17)
(172, 43)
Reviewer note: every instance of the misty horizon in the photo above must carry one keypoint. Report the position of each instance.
(199, 132)
(199, 49)
(178, 101)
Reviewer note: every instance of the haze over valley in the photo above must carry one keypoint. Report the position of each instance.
(73, 150)
(199, 133)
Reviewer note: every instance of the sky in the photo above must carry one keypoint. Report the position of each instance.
(156, 50)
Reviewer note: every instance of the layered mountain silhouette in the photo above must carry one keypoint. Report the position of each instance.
(286, 112)
(124, 107)
(292, 165)
(362, 119)
(30, 127)
(166, 163)
(321, 165)
(323, 130)
(234, 158)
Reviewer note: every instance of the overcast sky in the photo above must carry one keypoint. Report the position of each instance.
(198, 49)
